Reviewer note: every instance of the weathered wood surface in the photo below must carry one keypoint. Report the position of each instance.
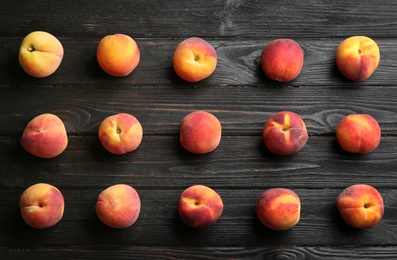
(238, 93)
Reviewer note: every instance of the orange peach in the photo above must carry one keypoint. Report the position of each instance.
(118, 206)
(45, 136)
(200, 206)
(285, 133)
(282, 60)
(358, 133)
(200, 132)
(120, 133)
(42, 205)
(360, 205)
(194, 59)
(40, 54)
(118, 54)
(357, 57)
(278, 208)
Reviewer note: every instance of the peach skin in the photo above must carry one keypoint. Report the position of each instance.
(200, 132)
(357, 57)
(282, 60)
(200, 206)
(360, 205)
(118, 206)
(118, 54)
(285, 133)
(358, 133)
(45, 136)
(42, 205)
(194, 59)
(40, 54)
(278, 208)
(120, 133)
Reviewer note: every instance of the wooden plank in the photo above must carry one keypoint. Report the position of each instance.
(241, 110)
(161, 162)
(213, 19)
(239, 63)
(192, 253)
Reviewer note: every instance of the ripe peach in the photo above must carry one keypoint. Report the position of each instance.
(358, 133)
(357, 57)
(118, 54)
(278, 208)
(360, 205)
(120, 133)
(194, 59)
(285, 133)
(45, 136)
(200, 132)
(40, 54)
(200, 206)
(282, 60)
(118, 206)
(42, 205)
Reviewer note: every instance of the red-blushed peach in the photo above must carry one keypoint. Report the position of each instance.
(45, 136)
(358, 133)
(118, 206)
(42, 205)
(40, 54)
(120, 133)
(360, 205)
(200, 132)
(200, 206)
(118, 54)
(285, 133)
(282, 60)
(357, 57)
(278, 208)
(194, 59)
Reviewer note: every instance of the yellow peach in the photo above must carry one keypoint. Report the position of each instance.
(200, 132)
(45, 136)
(118, 54)
(118, 206)
(200, 206)
(285, 133)
(40, 54)
(278, 208)
(282, 60)
(42, 205)
(360, 205)
(358, 133)
(194, 59)
(357, 57)
(120, 133)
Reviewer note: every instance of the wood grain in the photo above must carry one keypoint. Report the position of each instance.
(238, 93)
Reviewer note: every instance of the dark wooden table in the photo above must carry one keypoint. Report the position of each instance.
(238, 93)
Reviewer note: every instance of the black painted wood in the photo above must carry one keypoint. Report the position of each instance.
(238, 93)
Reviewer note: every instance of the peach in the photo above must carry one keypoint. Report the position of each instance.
(285, 133)
(118, 206)
(42, 205)
(360, 205)
(357, 57)
(200, 206)
(45, 136)
(278, 208)
(358, 133)
(194, 59)
(200, 132)
(282, 60)
(118, 54)
(40, 54)
(120, 133)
